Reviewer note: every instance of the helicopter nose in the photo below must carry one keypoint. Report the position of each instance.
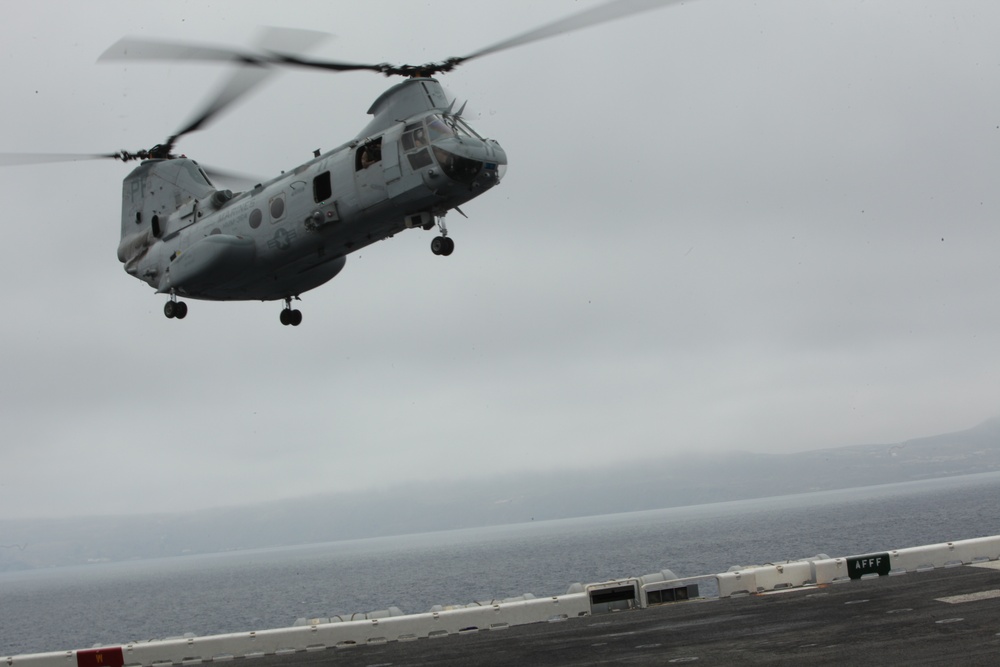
(499, 159)
(477, 164)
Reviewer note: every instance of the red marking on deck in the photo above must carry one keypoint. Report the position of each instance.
(101, 657)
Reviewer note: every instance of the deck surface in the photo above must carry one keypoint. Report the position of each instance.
(901, 619)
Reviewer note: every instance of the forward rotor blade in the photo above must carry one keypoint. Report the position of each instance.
(137, 49)
(609, 11)
(329, 65)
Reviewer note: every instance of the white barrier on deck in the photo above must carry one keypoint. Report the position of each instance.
(945, 555)
(55, 659)
(831, 570)
(791, 574)
(773, 576)
(737, 582)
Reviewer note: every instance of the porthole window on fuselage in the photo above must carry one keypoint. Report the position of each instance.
(256, 217)
(277, 207)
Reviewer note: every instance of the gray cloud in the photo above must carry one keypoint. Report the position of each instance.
(726, 225)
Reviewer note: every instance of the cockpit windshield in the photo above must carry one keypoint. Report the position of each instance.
(439, 129)
(434, 128)
(442, 127)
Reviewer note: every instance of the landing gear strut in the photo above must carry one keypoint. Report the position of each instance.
(290, 316)
(442, 245)
(174, 308)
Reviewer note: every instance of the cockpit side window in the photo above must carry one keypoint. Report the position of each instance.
(419, 159)
(414, 137)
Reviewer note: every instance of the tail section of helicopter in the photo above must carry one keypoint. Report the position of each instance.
(159, 198)
(184, 238)
(162, 198)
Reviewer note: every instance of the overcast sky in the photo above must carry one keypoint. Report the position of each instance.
(728, 225)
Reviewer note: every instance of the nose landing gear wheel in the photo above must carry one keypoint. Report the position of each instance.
(442, 245)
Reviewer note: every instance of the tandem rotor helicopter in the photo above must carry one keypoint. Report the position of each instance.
(413, 162)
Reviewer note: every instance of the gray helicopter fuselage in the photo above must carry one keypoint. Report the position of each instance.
(413, 162)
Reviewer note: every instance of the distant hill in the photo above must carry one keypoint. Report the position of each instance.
(431, 505)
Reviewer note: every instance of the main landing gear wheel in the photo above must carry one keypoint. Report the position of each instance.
(442, 245)
(290, 316)
(175, 309)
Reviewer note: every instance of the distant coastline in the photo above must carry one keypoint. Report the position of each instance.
(505, 499)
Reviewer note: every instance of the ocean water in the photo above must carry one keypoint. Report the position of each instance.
(112, 603)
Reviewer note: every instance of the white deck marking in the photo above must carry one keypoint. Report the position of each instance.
(970, 597)
(991, 565)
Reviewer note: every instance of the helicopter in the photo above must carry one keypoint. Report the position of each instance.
(413, 162)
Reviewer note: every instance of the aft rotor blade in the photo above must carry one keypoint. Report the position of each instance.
(10, 159)
(241, 82)
(231, 179)
(131, 48)
(609, 11)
